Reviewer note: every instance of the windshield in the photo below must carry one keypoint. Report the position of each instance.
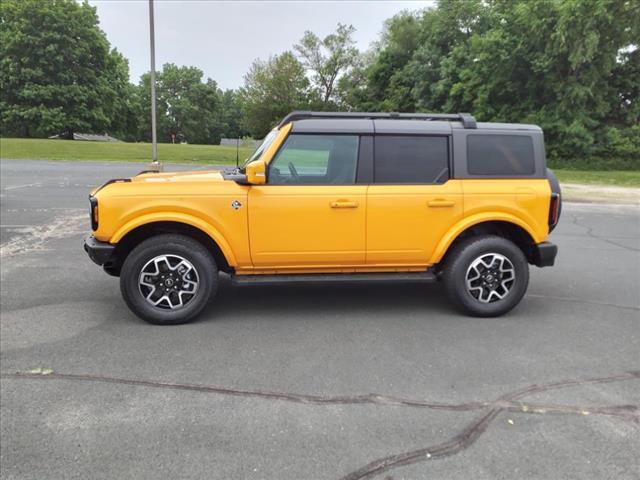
(263, 146)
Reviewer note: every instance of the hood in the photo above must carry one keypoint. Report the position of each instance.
(150, 179)
(194, 176)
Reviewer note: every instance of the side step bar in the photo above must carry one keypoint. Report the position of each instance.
(320, 278)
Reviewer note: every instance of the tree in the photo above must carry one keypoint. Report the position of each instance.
(548, 63)
(328, 59)
(187, 107)
(57, 72)
(404, 73)
(125, 110)
(230, 114)
(353, 90)
(390, 84)
(272, 89)
(569, 66)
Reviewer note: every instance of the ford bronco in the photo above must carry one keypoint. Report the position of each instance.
(338, 197)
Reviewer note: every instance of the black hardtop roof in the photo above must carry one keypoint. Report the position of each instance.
(467, 120)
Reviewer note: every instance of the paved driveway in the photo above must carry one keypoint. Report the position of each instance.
(321, 382)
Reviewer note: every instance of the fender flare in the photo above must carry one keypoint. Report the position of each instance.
(471, 221)
(178, 217)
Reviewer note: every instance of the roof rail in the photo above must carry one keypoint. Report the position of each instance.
(467, 120)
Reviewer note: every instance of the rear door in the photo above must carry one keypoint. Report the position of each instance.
(412, 202)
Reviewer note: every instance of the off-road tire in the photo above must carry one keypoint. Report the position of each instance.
(172, 245)
(459, 262)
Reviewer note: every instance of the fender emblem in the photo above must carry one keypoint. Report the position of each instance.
(236, 205)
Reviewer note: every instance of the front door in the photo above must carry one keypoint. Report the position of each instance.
(310, 213)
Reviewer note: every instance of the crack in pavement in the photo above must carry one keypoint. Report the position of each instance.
(589, 232)
(508, 402)
(476, 428)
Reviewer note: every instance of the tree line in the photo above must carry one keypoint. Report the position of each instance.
(570, 66)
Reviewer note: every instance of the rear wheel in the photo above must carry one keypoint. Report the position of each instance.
(486, 276)
(168, 279)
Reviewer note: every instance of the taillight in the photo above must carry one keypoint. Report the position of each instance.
(554, 209)
(94, 213)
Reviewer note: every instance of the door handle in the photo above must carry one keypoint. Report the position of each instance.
(343, 204)
(441, 203)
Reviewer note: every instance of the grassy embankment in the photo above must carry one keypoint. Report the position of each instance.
(619, 178)
(37, 149)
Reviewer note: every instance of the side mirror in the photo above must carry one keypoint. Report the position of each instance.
(256, 173)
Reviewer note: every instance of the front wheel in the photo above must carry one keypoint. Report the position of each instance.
(168, 279)
(486, 276)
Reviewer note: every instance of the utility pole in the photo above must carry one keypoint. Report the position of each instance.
(155, 164)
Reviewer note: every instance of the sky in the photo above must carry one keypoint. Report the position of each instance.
(223, 38)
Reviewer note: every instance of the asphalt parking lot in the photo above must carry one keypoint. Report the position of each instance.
(314, 382)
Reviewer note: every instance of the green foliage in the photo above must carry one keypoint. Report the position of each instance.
(328, 59)
(187, 107)
(272, 89)
(230, 114)
(57, 72)
(126, 109)
(570, 66)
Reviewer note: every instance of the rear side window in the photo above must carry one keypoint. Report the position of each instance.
(411, 159)
(500, 155)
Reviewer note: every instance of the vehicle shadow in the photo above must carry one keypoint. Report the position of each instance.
(329, 299)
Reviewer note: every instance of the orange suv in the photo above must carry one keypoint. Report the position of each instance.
(339, 197)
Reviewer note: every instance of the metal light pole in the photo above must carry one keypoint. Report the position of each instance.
(155, 164)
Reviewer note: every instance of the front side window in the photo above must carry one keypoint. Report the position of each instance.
(500, 155)
(307, 159)
(411, 159)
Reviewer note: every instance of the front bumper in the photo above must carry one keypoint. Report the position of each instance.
(544, 254)
(99, 252)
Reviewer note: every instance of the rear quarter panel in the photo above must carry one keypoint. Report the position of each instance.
(525, 199)
(523, 202)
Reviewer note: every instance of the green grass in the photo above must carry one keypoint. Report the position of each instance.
(43, 149)
(621, 178)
